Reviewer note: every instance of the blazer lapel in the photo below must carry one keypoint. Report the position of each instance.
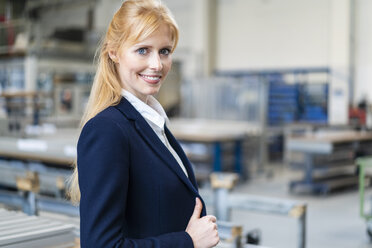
(155, 143)
(186, 162)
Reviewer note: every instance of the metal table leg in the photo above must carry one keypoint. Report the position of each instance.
(238, 156)
(217, 162)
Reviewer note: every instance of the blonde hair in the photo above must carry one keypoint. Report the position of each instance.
(133, 22)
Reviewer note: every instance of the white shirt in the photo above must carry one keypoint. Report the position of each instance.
(156, 117)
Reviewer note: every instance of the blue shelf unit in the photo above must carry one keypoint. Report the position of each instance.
(283, 101)
(299, 102)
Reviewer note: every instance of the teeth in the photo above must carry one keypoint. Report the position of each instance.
(151, 77)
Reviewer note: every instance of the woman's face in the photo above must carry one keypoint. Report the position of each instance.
(143, 66)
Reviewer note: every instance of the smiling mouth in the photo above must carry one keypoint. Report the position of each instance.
(152, 79)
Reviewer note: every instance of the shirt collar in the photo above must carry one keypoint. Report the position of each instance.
(152, 111)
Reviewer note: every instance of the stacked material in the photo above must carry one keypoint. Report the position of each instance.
(18, 230)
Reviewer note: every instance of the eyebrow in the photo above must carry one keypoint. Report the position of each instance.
(139, 45)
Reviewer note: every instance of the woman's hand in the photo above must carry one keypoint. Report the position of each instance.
(203, 231)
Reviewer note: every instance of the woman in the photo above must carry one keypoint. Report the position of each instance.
(137, 186)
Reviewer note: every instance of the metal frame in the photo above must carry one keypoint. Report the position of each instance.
(31, 203)
(217, 156)
(224, 201)
(30, 183)
(363, 164)
(346, 167)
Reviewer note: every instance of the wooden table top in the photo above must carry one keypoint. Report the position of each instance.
(324, 143)
(59, 148)
(335, 137)
(204, 130)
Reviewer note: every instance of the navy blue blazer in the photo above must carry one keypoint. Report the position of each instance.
(133, 191)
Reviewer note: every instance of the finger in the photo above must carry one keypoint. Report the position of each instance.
(197, 210)
(215, 226)
(212, 218)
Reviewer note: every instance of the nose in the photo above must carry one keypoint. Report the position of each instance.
(155, 62)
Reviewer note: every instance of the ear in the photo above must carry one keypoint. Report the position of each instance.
(113, 57)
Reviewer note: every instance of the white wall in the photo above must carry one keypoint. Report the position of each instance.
(272, 33)
(261, 34)
(363, 53)
(339, 61)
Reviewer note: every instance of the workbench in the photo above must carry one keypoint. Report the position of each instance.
(38, 167)
(327, 159)
(216, 133)
(58, 148)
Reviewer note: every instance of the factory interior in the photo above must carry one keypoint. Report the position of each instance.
(271, 100)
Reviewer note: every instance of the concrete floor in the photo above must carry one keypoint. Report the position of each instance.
(332, 220)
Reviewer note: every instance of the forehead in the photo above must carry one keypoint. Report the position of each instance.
(161, 36)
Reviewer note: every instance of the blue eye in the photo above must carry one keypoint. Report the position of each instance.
(165, 51)
(142, 51)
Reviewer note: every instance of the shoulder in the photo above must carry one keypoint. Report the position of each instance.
(108, 123)
(110, 116)
(112, 113)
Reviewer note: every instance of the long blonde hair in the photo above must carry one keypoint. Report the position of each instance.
(133, 22)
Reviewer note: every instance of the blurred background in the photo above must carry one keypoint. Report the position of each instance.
(270, 99)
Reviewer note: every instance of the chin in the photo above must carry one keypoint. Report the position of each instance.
(152, 91)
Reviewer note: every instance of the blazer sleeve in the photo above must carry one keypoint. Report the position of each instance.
(103, 163)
